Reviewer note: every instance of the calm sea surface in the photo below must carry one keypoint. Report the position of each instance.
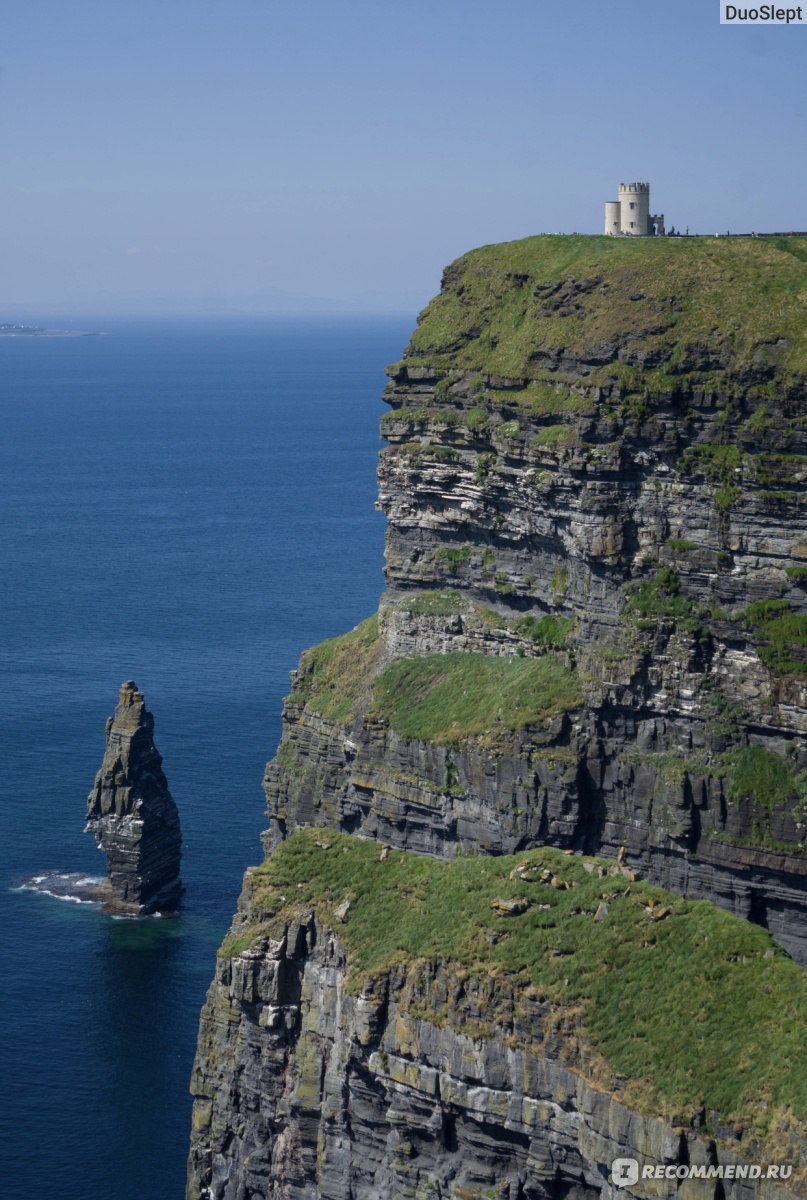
(188, 505)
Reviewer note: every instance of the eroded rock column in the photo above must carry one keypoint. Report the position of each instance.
(132, 813)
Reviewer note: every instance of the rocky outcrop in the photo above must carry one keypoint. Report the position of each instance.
(132, 814)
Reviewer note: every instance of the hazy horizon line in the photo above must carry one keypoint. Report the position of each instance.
(35, 317)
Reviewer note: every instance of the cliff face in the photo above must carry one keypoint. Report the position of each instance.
(594, 638)
(386, 1024)
(132, 814)
(633, 501)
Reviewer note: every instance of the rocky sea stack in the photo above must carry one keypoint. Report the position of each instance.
(535, 895)
(132, 814)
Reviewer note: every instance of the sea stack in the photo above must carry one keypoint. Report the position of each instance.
(132, 813)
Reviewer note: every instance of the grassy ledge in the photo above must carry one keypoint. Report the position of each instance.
(446, 698)
(441, 698)
(433, 604)
(697, 1009)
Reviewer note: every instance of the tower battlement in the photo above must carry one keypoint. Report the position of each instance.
(635, 187)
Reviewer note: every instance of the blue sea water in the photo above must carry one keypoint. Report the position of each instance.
(188, 504)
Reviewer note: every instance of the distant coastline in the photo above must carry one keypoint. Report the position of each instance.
(9, 330)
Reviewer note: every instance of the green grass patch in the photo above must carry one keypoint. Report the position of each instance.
(549, 631)
(720, 463)
(336, 675)
(492, 618)
(688, 1009)
(797, 575)
(560, 581)
(454, 556)
(682, 545)
(541, 399)
(658, 597)
(671, 766)
(484, 465)
(726, 496)
(556, 437)
(779, 471)
(782, 499)
(433, 604)
(406, 416)
(509, 430)
(781, 634)
(769, 780)
(716, 462)
(477, 420)
(447, 698)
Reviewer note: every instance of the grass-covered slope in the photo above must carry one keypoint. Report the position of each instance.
(445, 698)
(335, 676)
(689, 303)
(694, 1006)
(441, 698)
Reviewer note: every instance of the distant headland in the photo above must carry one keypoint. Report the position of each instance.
(9, 330)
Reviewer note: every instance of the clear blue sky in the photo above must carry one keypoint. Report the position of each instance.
(175, 156)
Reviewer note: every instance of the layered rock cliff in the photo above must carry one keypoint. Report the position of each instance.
(384, 1025)
(600, 455)
(594, 638)
(132, 813)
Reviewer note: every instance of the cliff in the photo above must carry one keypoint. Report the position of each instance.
(384, 1024)
(594, 638)
(597, 459)
(132, 814)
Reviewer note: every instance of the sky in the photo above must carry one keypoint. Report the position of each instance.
(295, 157)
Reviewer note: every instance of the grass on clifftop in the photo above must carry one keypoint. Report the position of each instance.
(504, 307)
(688, 1008)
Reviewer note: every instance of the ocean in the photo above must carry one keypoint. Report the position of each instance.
(188, 504)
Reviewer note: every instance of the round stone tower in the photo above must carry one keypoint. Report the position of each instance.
(634, 204)
(613, 218)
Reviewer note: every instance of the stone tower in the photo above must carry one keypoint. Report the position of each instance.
(132, 814)
(634, 205)
(629, 216)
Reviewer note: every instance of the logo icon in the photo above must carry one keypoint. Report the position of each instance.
(624, 1172)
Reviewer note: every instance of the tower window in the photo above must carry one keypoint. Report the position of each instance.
(632, 204)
